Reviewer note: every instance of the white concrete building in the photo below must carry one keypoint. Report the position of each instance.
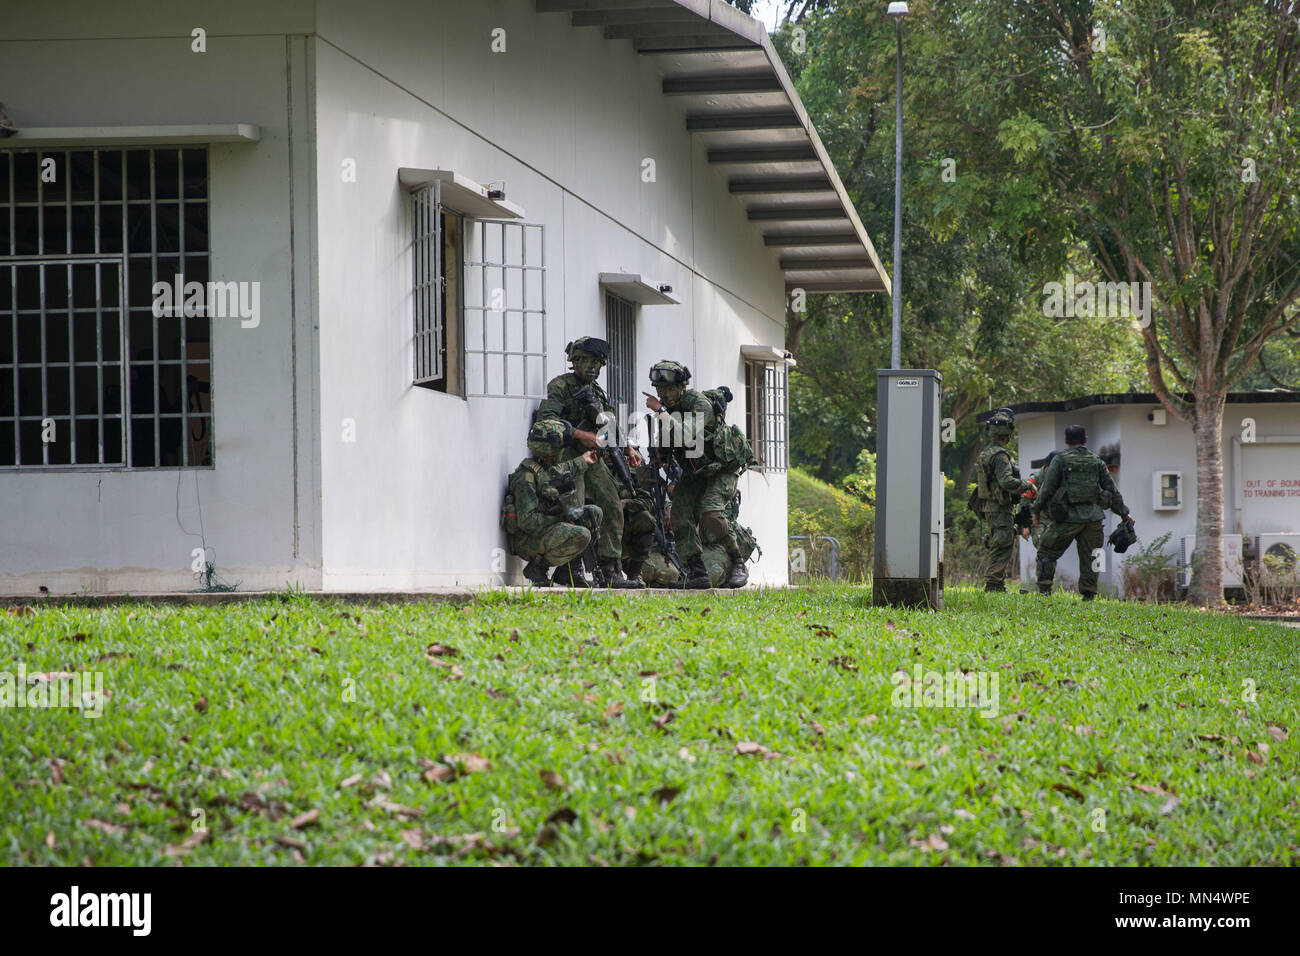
(1157, 474)
(396, 214)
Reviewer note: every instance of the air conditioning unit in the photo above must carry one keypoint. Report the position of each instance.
(1232, 562)
(1279, 559)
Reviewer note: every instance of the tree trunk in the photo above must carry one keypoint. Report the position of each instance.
(1207, 570)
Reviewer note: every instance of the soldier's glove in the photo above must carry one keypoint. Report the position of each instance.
(590, 517)
(563, 483)
(575, 515)
(1031, 491)
(1024, 517)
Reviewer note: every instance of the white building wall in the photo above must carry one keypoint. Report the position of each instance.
(1147, 448)
(566, 119)
(81, 64)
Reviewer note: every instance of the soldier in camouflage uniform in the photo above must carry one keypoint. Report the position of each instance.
(588, 355)
(1034, 532)
(1000, 488)
(701, 497)
(1085, 482)
(543, 520)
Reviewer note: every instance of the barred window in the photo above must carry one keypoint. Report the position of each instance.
(505, 309)
(767, 413)
(437, 284)
(620, 332)
(89, 375)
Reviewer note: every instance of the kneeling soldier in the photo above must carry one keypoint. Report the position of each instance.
(541, 517)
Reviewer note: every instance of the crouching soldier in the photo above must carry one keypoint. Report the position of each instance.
(709, 473)
(544, 523)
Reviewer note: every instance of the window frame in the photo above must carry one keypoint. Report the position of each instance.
(767, 413)
(126, 253)
(620, 366)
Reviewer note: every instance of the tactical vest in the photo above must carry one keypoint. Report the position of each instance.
(731, 449)
(1080, 479)
(989, 491)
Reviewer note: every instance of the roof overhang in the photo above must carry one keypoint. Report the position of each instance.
(460, 193)
(739, 100)
(86, 136)
(634, 288)
(1111, 399)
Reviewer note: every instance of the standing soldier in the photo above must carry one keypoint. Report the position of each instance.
(543, 522)
(1076, 484)
(1000, 488)
(707, 486)
(587, 355)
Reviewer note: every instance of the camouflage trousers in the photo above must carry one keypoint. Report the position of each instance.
(559, 544)
(999, 547)
(638, 527)
(699, 505)
(596, 486)
(1056, 539)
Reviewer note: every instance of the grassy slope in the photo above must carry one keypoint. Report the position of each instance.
(1096, 702)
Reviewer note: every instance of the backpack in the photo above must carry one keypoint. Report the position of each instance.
(509, 515)
(1080, 481)
(746, 541)
(731, 449)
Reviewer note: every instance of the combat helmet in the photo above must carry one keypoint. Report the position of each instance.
(548, 436)
(666, 372)
(589, 344)
(1002, 423)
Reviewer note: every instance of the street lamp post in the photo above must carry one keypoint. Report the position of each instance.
(898, 10)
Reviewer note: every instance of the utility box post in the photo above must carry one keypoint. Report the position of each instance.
(909, 489)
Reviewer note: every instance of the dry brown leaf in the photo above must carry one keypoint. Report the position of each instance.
(290, 842)
(103, 825)
(746, 747)
(201, 705)
(304, 820)
(1276, 732)
(1068, 791)
(467, 763)
(413, 838)
(441, 650)
(1147, 788)
(552, 779)
(1254, 757)
(351, 781)
(438, 774)
(613, 710)
(666, 794)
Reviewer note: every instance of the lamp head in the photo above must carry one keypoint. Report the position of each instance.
(897, 9)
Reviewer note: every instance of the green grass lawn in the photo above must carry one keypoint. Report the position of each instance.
(758, 727)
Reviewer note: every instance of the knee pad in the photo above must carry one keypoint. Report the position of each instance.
(715, 523)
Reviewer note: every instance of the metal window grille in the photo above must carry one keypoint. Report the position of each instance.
(88, 375)
(505, 309)
(429, 287)
(620, 332)
(767, 413)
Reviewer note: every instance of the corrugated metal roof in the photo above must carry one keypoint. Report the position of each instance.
(740, 102)
(1138, 398)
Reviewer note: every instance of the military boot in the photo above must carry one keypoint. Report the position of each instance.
(995, 588)
(737, 575)
(535, 571)
(1045, 589)
(633, 573)
(697, 575)
(570, 575)
(613, 575)
(1088, 596)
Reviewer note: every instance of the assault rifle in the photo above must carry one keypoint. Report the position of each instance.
(594, 418)
(671, 474)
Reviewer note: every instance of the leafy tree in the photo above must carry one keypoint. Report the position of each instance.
(1164, 134)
